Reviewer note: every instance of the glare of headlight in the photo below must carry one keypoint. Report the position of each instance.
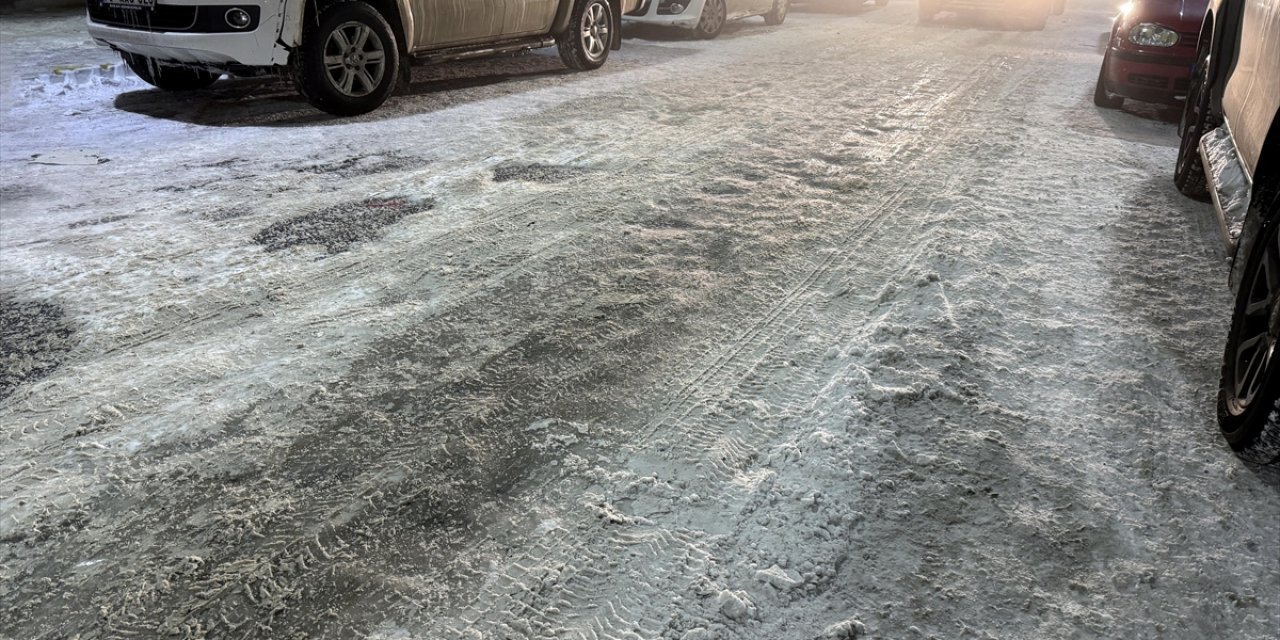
(1147, 34)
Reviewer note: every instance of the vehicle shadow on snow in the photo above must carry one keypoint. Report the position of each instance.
(974, 21)
(257, 102)
(658, 33)
(1142, 122)
(835, 7)
(1169, 276)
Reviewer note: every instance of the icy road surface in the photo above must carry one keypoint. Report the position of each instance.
(845, 328)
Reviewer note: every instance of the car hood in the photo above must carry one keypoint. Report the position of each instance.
(1183, 15)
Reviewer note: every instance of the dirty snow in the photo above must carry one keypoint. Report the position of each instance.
(1233, 195)
(844, 328)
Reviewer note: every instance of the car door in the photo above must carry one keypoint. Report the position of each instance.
(529, 17)
(1252, 94)
(441, 23)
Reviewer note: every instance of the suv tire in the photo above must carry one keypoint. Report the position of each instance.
(1188, 174)
(1249, 393)
(712, 20)
(586, 43)
(778, 14)
(169, 77)
(350, 63)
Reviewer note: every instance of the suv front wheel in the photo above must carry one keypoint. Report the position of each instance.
(349, 64)
(585, 44)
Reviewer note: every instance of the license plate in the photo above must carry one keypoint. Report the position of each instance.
(130, 4)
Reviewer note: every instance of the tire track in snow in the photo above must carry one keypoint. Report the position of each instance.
(323, 528)
(749, 350)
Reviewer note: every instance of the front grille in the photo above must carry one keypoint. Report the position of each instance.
(1143, 80)
(167, 17)
(1188, 39)
(163, 17)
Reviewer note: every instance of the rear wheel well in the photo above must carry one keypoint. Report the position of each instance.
(1268, 170)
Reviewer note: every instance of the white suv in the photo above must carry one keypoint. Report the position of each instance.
(346, 56)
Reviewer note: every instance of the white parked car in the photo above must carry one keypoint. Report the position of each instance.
(346, 56)
(706, 17)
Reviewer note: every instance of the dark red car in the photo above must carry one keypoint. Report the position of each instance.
(1149, 56)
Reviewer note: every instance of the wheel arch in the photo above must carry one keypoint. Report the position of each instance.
(1268, 169)
(397, 13)
(565, 12)
(1266, 181)
(1222, 22)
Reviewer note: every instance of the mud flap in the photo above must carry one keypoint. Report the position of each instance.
(404, 83)
(616, 5)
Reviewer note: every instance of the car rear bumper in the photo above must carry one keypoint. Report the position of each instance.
(257, 48)
(687, 19)
(1158, 78)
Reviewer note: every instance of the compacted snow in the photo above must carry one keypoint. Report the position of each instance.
(844, 328)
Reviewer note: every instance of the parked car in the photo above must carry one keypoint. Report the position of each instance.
(346, 56)
(1149, 55)
(1032, 14)
(1230, 153)
(706, 17)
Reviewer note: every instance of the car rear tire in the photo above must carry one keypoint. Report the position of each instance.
(169, 77)
(1101, 97)
(1188, 174)
(711, 22)
(586, 43)
(779, 13)
(350, 63)
(1249, 393)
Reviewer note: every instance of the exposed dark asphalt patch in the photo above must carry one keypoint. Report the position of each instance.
(364, 165)
(95, 221)
(34, 339)
(508, 171)
(339, 227)
(227, 214)
(15, 192)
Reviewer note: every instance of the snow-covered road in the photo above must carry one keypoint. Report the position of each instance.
(848, 327)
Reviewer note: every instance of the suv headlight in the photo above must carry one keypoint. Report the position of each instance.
(1147, 34)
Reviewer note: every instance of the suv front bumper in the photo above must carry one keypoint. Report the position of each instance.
(257, 48)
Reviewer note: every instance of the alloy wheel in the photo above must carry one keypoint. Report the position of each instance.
(1255, 350)
(595, 31)
(355, 59)
(712, 17)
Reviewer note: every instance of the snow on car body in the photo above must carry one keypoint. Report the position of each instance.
(1230, 153)
(344, 54)
(706, 17)
(1150, 53)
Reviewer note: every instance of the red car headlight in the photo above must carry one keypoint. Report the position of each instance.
(1148, 34)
